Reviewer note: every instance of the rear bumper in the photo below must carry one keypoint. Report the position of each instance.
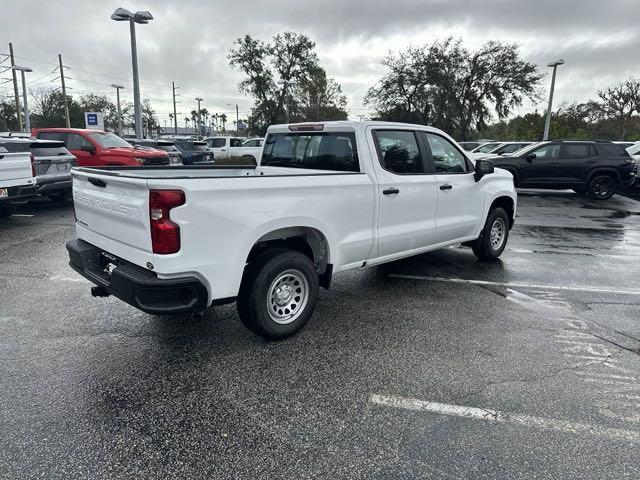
(45, 186)
(139, 287)
(19, 194)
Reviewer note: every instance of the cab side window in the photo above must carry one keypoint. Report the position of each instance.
(398, 151)
(548, 152)
(446, 157)
(76, 142)
(236, 142)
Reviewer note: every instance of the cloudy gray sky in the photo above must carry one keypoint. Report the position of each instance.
(188, 40)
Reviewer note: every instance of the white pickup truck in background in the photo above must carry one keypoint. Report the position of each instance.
(17, 179)
(326, 198)
(236, 149)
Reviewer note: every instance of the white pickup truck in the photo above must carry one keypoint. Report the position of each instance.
(236, 148)
(326, 198)
(17, 180)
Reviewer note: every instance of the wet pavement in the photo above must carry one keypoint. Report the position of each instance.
(437, 366)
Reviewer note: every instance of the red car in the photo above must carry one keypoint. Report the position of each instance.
(95, 148)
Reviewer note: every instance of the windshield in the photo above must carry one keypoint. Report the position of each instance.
(487, 147)
(108, 140)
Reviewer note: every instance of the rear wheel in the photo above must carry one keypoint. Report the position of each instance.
(494, 236)
(602, 187)
(278, 294)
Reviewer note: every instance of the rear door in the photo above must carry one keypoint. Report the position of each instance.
(407, 192)
(575, 162)
(460, 197)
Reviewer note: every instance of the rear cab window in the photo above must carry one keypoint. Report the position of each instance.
(217, 142)
(335, 151)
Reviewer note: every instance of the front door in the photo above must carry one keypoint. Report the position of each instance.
(537, 165)
(460, 197)
(407, 193)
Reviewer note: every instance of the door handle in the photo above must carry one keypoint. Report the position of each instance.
(592, 161)
(391, 191)
(446, 186)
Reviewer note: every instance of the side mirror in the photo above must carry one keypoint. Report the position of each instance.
(530, 157)
(88, 148)
(483, 167)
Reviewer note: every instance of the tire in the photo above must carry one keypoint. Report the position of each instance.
(278, 294)
(495, 234)
(602, 187)
(58, 196)
(5, 210)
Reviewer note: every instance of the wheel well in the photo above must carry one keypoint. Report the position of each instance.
(306, 240)
(609, 173)
(513, 172)
(507, 204)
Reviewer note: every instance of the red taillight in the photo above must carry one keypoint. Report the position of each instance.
(165, 235)
(33, 166)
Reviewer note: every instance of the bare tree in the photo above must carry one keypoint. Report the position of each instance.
(620, 102)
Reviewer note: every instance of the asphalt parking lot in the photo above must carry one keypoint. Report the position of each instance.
(433, 367)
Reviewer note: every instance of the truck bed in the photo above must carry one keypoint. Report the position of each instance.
(199, 171)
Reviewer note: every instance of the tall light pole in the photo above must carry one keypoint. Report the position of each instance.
(237, 116)
(118, 87)
(547, 123)
(22, 70)
(142, 17)
(198, 128)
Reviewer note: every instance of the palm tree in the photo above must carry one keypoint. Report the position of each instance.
(223, 119)
(186, 124)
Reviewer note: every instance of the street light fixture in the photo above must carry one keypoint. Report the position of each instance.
(118, 87)
(142, 17)
(547, 123)
(22, 70)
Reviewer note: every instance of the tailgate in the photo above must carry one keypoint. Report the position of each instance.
(112, 213)
(15, 167)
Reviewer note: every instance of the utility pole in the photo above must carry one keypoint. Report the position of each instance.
(118, 87)
(198, 129)
(67, 120)
(175, 115)
(16, 93)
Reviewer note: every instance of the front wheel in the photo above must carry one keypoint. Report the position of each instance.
(494, 236)
(602, 187)
(278, 294)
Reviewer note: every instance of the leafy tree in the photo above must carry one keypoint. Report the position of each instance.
(8, 116)
(620, 102)
(47, 109)
(447, 86)
(280, 74)
(319, 98)
(149, 122)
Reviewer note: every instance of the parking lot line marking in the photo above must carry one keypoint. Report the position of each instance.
(504, 417)
(576, 288)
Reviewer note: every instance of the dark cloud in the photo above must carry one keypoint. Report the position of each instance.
(187, 42)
